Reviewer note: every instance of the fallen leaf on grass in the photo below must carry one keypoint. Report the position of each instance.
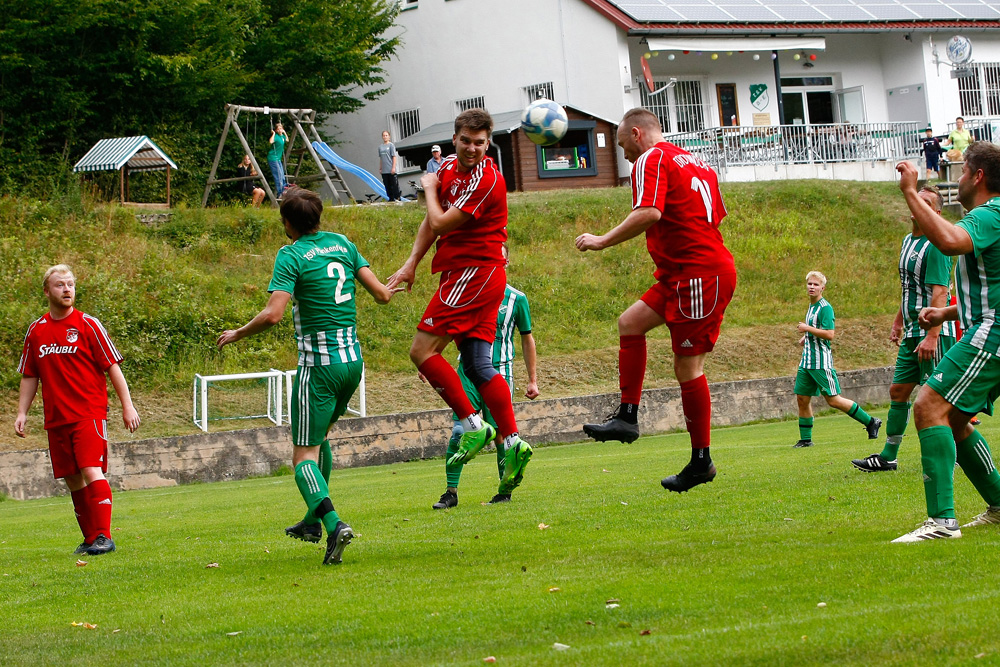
(624, 624)
(605, 470)
(233, 634)
(81, 563)
(611, 605)
(211, 565)
(554, 589)
(804, 637)
(89, 626)
(821, 605)
(590, 623)
(612, 601)
(980, 655)
(789, 519)
(643, 633)
(489, 658)
(623, 502)
(266, 550)
(560, 647)
(114, 632)
(543, 526)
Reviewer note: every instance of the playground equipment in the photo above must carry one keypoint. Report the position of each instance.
(372, 181)
(299, 120)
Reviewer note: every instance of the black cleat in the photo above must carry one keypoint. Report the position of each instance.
(305, 532)
(613, 428)
(335, 543)
(874, 463)
(873, 427)
(101, 545)
(500, 498)
(803, 443)
(448, 499)
(82, 549)
(688, 478)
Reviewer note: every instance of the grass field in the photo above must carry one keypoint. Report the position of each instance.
(731, 573)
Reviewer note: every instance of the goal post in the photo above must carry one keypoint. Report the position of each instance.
(245, 397)
(360, 411)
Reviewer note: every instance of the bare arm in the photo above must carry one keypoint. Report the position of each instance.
(635, 223)
(408, 272)
(26, 395)
(928, 346)
(265, 319)
(825, 334)
(530, 364)
(897, 327)
(129, 415)
(440, 221)
(374, 286)
(945, 236)
(393, 164)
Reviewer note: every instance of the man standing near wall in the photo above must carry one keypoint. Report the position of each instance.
(70, 352)
(388, 160)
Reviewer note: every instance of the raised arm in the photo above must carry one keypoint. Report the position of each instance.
(946, 237)
(265, 319)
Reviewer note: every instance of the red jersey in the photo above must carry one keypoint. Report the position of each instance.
(685, 242)
(482, 193)
(70, 356)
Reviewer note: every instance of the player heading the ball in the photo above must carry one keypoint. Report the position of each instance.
(677, 203)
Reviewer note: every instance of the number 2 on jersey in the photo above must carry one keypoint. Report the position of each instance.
(701, 187)
(341, 276)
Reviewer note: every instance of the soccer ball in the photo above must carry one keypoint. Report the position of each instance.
(545, 122)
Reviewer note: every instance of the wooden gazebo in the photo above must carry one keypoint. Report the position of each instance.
(126, 155)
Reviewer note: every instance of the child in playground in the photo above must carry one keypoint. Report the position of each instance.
(244, 170)
(275, 158)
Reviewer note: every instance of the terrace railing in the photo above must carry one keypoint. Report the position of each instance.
(725, 147)
(983, 128)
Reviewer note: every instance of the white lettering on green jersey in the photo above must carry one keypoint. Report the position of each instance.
(319, 271)
(817, 352)
(977, 278)
(921, 267)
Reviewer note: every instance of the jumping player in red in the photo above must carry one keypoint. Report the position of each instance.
(677, 203)
(467, 214)
(70, 352)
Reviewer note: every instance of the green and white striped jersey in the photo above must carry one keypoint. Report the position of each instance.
(319, 271)
(977, 278)
(921, 267)
(817, 352)
(513, 314)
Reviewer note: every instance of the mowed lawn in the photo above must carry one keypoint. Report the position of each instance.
(733, 572)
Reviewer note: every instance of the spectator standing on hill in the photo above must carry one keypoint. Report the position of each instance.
(816, 374)
(388, 160)
(436, 160)
(931, 148)
(276, 157)
(69, 352)
(967, 379)
(960, 138)
(924, 275)
(513, 315)
(677, 203)
(246, 170)
(318, 270)
(467, 214)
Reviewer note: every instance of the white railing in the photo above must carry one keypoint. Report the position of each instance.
(724, 147)
(983, 128)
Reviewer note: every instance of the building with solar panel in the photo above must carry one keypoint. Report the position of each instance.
(760, 88)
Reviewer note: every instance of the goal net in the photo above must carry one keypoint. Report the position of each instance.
(238, 396)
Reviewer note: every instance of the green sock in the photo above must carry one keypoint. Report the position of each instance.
(805, 428)
(859, 415)
(316, 493)
(899, 415)
(937, 456)
(453, 472)
(977, 463)
(325, 467)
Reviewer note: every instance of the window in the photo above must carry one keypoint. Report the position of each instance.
(658, 104)
(680, 107)
(979, 94)
(537, 90)
(401, 125)
(470, 103)
(572, 156)
(407, 4)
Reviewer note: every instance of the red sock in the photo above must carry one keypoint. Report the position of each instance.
(446, 382)
(82, 512)
(99, 502)
(496, 395)
(631, 367)
(697, 404)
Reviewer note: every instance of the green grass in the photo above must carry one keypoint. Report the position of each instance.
(730, 573)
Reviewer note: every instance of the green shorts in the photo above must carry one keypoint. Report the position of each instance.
(319, 397)
(816, 381)
(478, 404)
(911, 371)
(968, 378)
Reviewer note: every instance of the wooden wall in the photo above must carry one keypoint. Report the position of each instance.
(526, 161)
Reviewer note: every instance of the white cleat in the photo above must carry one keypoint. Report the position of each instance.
(931, 530)
(990, 516)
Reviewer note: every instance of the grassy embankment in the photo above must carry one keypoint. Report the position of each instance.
(166, 291)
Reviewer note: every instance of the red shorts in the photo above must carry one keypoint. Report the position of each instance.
(466, 303)
(693, 309)
(82, 444)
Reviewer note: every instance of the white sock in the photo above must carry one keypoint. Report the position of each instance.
(472, 423)
(509, 441)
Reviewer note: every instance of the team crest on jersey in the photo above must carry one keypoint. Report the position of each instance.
(914, 256)
(454, 189)
(72, 335)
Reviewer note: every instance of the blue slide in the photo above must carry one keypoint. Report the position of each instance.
(340, 163)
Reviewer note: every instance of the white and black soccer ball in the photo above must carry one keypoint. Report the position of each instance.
(545, 122)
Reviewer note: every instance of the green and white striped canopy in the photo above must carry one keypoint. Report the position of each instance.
(139, 153)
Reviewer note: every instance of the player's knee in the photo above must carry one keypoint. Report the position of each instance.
(477, 361)
(900, 393)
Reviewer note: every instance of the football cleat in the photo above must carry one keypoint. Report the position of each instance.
(803, 443)
(499, 498)
(688, 478)
(515, 460)
(305, 532)
(82, 549)
(873, 427)
(336, 542)
(448, 499)
(874, 463)
(932, 530)
(990, 516)
(101, 545)
(471, 443)
(613, 428)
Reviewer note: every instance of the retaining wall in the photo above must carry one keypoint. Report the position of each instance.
(213, 457)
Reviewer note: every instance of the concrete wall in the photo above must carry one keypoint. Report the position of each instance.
(392, 438)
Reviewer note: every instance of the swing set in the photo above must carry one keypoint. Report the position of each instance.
(300, 120)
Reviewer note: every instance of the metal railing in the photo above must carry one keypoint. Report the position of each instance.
(741, 146)
(983, 128)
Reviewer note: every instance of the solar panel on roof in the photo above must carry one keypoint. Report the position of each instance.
(641, 13)
(890, 12)
(935, 11)
(977, 11)
(726, 3)
(755, 11)
(702, 13)
(800, 13)
(845, 13)
(752, 13)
